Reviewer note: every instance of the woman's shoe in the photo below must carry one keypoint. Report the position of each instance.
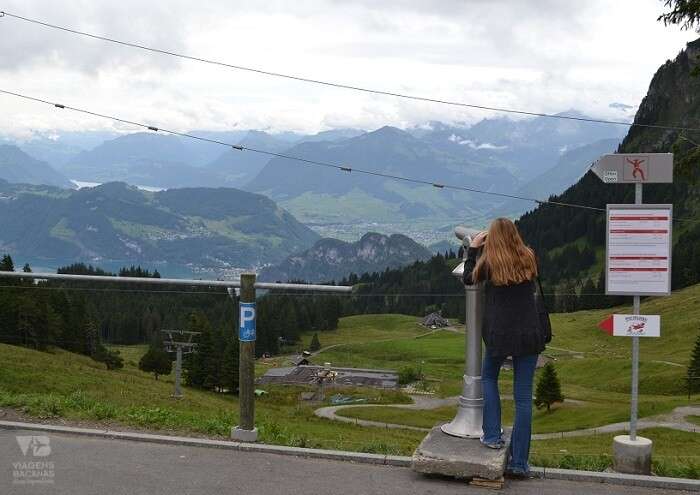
(497, 445)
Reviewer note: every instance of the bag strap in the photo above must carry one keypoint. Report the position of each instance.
(539, 284)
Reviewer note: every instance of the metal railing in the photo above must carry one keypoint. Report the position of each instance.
(177, 281)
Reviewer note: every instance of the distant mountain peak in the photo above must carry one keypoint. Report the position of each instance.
(332, 259)
(387, 134)
(389, 130)
(19, 167)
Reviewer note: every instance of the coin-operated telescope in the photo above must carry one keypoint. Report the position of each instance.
(467, 422)
(464, 234)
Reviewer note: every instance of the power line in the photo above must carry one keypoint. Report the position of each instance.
(341, 168)
(341, 85)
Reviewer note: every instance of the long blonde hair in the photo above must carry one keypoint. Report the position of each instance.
(505, 260)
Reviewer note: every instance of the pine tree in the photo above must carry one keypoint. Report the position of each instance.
(90, 338)
(588, 298)
(111, 359)
(199, 366)
(229, 369)
(315, 344)
(548, 388)
(6, 264)
(685, 13)
(694, 368)
(156, 361)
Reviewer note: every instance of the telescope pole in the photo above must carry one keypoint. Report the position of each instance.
(467, 422)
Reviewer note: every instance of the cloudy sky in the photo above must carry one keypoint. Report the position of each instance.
(537, 55)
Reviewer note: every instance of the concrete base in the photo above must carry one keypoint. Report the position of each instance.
(632, 457)
(447, 455)
(241, 435)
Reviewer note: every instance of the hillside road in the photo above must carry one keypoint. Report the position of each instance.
(88, 465)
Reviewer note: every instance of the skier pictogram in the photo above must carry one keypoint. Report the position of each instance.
(637, 164)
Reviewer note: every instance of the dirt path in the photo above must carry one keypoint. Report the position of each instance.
(675, 420)
(420, 402)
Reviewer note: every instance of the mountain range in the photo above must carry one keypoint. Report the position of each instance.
(498, 154)
(331, 259)
(526, 147)
(319, 194)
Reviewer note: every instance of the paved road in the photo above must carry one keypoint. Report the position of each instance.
(84, 465)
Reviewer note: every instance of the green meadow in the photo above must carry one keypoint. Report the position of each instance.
(594, 370)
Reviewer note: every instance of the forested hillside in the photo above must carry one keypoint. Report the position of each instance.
(213, 229)
(570, 241)
(82, 316)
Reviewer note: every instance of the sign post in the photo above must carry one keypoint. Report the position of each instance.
(246, 430)
(638, 263)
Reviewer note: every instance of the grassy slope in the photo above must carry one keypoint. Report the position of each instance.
(61, 384)
(369, 328)
(75, 387)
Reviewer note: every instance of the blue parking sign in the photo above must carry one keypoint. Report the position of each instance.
(246, 331)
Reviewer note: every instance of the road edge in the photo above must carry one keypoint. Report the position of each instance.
(357, 457)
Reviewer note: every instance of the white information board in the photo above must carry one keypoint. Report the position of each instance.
(638, 250)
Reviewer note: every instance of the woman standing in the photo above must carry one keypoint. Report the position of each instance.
(508, 269)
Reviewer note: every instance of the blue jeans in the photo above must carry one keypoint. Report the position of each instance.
(523, 374)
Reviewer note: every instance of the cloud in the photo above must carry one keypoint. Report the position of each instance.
(541, 55)
(36, 46)
(621, 106)
(473, 145)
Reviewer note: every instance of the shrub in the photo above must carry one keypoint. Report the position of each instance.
(409, 374)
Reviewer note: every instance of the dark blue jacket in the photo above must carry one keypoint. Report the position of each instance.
(511, 320)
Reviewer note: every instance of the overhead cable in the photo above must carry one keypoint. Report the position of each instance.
(342, 168)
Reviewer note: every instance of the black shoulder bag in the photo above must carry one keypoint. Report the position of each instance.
(545, 323)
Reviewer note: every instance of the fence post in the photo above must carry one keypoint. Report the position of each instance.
(246, 430)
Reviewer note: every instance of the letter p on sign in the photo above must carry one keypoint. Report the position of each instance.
(247, 323)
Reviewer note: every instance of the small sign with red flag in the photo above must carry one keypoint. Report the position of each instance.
(632, 325)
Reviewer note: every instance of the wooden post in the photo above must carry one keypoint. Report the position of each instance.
(178, 372)
(246, 430)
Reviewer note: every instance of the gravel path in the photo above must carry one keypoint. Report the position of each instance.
(675, 420)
